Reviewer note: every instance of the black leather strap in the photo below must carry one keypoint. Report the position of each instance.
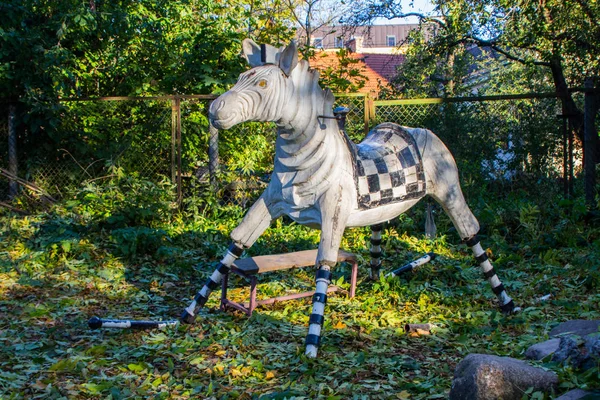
(320, 297)
(498, 289)
(375, 254)
(235, 249)
(313, 339)
(489, 274)
(212, 285)
(324, 274)
(223, 269)
(472, 241)
(481, 258)
(316, 319)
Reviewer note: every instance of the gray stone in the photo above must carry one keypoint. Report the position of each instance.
(579, 327)
(542, 350)
(576, 394)
(568, 352)
(487, 377)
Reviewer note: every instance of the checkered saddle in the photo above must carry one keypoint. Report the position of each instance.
(389, 168)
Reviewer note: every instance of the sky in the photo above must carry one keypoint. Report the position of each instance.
(421, 6)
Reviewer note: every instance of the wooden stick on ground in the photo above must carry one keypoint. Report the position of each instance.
(29, 185)
(14, 209)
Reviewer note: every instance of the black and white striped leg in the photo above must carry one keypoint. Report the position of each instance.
(375, 251)
(315, 322)
(506, 303)
(233, 253)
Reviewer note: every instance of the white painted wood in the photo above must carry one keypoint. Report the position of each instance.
(313, 179)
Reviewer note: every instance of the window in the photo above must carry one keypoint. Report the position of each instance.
(339, 42)
(318, 43)
(391, 40)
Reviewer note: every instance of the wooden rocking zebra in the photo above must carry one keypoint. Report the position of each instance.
(323, 180)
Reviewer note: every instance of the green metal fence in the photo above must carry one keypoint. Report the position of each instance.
(496, 136)
(167, 138)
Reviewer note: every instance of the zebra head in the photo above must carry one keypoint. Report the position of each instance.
(260, 94)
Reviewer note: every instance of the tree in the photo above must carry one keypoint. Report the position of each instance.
(311, 16)
(560, 36)
(52, 49)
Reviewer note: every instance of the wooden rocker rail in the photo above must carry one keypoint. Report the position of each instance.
(249, 269)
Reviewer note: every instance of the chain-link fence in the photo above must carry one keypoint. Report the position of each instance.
(497, 137)
(168, 139)
(3, 154)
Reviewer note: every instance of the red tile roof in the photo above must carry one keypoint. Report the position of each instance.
(378, 69)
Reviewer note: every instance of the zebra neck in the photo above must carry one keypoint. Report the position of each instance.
(298, 149)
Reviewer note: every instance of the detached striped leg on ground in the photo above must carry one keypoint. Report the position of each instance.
(233, 253)
(375, 251)
(506, 302)
(313, 339)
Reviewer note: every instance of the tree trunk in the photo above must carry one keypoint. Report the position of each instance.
(569, 108)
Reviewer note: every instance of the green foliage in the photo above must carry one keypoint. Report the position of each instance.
(123, 250)
(58, 49)
(346, 76)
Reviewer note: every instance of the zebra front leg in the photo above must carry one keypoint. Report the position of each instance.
(256, 221)
(375, 251)
(316, 319)
(506, 302)
(334, 214)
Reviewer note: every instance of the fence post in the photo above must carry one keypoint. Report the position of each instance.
(369, 112)
(173, 138)
(590, 142)
(176, 145)
(179, 151)
(213, 153)
(13, 161)
(565, 144)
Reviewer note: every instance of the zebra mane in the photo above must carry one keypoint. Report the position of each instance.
(303, 76)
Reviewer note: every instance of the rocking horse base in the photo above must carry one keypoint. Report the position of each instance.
(249, 268)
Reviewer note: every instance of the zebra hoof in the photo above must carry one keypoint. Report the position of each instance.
(509, 308)
(187, 318)
(311, 351)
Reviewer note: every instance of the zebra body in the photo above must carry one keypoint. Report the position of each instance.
(323, 180)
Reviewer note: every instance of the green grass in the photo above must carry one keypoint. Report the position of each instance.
(124, 251)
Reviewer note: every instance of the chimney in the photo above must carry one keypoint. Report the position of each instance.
(356, 44)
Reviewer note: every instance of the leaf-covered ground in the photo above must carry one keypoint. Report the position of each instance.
(123, 251)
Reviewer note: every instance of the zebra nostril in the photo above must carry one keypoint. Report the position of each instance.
(220, 106)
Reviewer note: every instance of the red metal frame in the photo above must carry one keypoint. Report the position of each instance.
(249, 307)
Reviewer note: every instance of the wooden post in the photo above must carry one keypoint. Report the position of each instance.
(571, 163)
(565, 142)
(179, 155)
(173, 139)
(213, 154)
(590, 142)
(176, 145)
(369, 112)
(13, 161)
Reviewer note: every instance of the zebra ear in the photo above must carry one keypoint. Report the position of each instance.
(251, 52)
(289, 58)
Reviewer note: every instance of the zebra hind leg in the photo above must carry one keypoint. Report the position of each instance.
(507, 304)
(375, 251)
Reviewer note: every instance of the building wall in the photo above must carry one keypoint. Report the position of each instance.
(374, 39)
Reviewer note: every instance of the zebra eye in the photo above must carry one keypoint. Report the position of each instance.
(262, 83)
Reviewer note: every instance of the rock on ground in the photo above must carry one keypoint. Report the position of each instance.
(577, 394)
(487, 377)
(542, 350)
(580, 327)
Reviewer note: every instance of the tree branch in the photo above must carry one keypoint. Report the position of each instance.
(494, 46)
